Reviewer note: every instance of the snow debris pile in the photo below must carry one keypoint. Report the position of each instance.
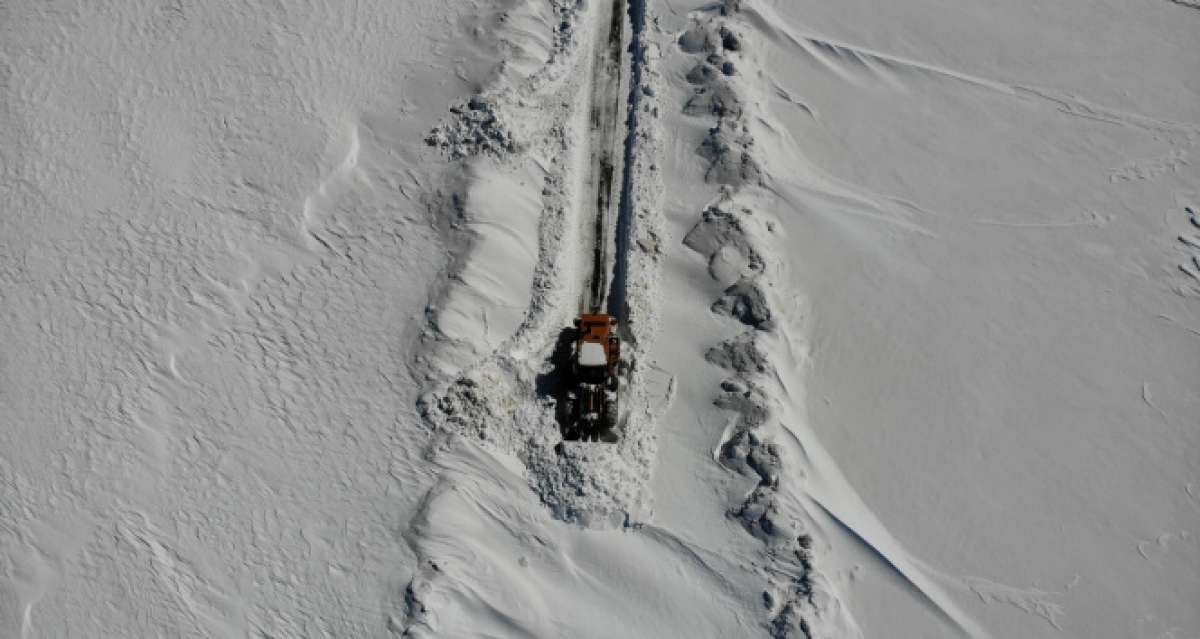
(727, 150)
(728, 147)
(484, 405)
(740, 354)
(496, 404)
(481, 124)
(474, 127)
(745, 302)
(720, 238)
(734, 242)
(734, 262)
(565, 34)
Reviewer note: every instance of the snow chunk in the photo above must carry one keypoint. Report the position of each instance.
(739, 354)
(746, 302)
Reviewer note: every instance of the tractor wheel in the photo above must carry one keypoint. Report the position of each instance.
(610, 414)
(569, 416)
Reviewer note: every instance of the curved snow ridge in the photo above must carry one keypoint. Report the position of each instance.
(486, 300)
(866, 67)
(851, 63)
(862, 525)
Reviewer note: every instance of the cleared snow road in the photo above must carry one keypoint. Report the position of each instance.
(606, 103)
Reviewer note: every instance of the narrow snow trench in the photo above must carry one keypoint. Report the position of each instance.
(605, 160)
(617, 302)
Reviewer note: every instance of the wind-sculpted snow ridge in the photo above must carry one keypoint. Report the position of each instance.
(735, 242)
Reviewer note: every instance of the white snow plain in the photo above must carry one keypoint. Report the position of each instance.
(912, 301)
(215, 259)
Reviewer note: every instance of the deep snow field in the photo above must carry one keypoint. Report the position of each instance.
(910, 300)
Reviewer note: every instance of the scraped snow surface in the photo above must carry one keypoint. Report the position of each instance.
(910, 302)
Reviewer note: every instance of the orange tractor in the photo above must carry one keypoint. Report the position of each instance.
(591, 398)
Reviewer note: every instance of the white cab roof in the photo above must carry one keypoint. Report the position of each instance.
(592, 354)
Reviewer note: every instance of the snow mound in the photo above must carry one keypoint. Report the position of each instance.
(728, 151)
(474, 127)
(721, 238)
(745, 302)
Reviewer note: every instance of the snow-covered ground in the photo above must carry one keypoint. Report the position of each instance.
(911, 303)
(215, 259)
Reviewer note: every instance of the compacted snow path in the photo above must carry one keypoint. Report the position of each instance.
(606, 100)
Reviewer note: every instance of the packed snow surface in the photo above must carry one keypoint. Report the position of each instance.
(909, 299)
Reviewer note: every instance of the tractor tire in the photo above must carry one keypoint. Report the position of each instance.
(611, 414)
